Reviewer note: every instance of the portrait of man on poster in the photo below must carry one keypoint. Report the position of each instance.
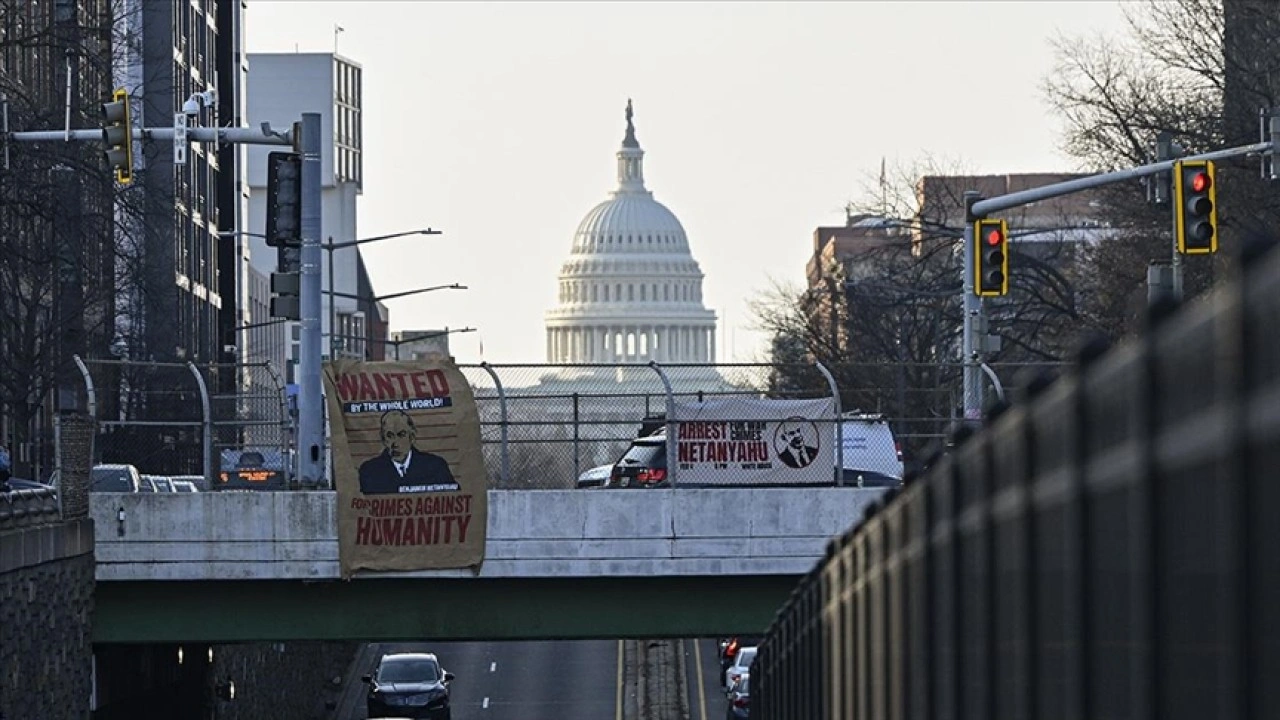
(401, 467)
(796, 442)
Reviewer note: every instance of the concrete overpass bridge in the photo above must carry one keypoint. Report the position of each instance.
(252, 566)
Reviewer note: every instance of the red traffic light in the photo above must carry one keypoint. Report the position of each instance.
(1200, 182)
(995, 237)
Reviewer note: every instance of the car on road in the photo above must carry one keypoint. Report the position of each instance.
(595, 477)
(409, 685)
(741, 665)
(729, 650)
(871, 456)
(644, 465)
(739, 697)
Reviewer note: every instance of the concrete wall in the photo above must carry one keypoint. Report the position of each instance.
(297, 680)
(544, 533)
(46, 603)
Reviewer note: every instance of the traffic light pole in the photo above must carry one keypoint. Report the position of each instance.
(972, 321)
(233, 136)
(977, 209)
(310, 402)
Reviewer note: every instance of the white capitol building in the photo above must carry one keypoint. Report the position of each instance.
(630, 291)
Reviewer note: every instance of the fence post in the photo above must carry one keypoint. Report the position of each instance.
(502, 424)
(670, 421)
(90, 394)
(577, 450)
(286, 424)
(207, 421)
(838, 471)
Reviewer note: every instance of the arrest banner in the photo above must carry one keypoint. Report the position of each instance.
(753, 441)
(407, 465)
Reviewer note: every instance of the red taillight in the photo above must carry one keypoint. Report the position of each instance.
(731, 649)
(654, 475)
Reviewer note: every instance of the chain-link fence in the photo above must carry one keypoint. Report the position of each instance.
(557, 426)
(562, 426)
(187, 420)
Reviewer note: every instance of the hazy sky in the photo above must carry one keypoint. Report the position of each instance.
(498, 123)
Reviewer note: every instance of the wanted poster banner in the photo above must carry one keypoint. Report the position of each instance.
(750, 441)
(407, 465)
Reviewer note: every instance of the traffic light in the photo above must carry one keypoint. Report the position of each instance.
(284, 199)
(117, 134)
(1195, 200)
(286, 301)
(990, 258)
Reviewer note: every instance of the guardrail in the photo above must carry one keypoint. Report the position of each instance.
(28, 507)
(1106, 550)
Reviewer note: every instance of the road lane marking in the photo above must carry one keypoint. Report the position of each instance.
(493, 666)
(702, 690)
(618, 705)
(485, 705)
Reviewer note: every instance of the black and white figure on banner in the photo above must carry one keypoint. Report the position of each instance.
(796, 442)
(401, 467)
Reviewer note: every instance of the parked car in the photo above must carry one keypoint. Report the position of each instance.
(161, 482)
(408, 685)
(200, 481)
(741, 665)
(114, 478)
(871, 456)
(184, 486)
(644, 465)
(739, 697)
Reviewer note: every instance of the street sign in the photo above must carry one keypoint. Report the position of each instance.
(179, 138)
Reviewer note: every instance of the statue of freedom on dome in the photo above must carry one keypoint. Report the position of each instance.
(630, 139)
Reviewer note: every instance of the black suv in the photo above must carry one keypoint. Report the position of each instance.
(644, 465)
(408, 685)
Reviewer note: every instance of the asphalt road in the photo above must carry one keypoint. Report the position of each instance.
(702, 667)
(565, 680)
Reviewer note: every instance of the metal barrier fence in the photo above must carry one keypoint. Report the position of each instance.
(1107, 549)
(543, 426)
(172, 418)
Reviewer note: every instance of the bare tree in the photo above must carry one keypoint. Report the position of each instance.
(71, 244)
(1198, 70)
(887, 320)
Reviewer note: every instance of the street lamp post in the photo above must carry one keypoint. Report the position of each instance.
(331, 246)
(333, 336)
(415, 338)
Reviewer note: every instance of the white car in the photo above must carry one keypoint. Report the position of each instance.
(595, 477)
(741, 665)
(870, 454)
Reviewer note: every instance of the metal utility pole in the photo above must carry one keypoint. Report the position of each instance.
(972, 319)
(1164, 278)
(310, 401)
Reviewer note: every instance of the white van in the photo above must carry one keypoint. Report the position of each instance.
(871, 456)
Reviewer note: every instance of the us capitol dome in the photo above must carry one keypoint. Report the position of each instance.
(630, 291)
